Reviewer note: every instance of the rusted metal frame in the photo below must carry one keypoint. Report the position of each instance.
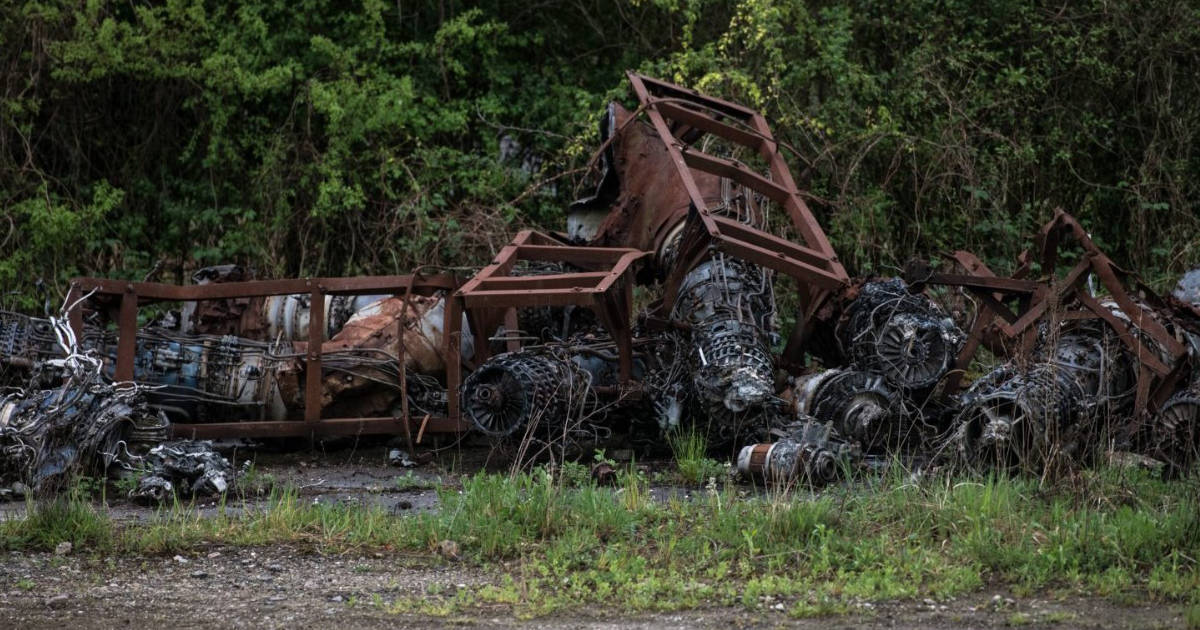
(328, 426)
(983, 283)
(981, 274)
(127, 336)
(75, 315)
(644, 86)
(452, 325)
(613, 310)
(1167, 385)
(500, 300)
(400, 350)
(997, 307)
(569, 254)
(607, 292)
(530, 291)
(312, 424)
(1049, 241)
(781, 188)
(774, 259)
(992, 291)
(511, 324)
(1063, 292)
(780, 261)
(1106, 271)
(483, 321)
(622, 265)
(701, 161)
(502, 264)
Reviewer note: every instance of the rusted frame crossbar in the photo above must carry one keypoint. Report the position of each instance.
(133, 294)
(493, 296)
(1032, 301)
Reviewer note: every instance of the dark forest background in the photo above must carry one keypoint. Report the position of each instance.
(311, 137)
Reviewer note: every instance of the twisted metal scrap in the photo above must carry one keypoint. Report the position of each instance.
(82, 426)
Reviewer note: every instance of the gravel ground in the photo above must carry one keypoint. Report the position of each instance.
(282, 587)
(286, 587)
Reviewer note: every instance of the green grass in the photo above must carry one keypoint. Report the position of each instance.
(1112, 533)
(690, 450)
(1192, 617)
(412, 481)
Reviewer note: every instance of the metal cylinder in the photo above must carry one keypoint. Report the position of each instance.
(857, 404)
(1014, 418)
(903, 336)
(515, 390)
(788, 460)
(1173, 435)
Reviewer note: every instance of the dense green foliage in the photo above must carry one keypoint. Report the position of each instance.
(314, 137)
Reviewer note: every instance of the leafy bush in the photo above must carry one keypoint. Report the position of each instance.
(320, 138)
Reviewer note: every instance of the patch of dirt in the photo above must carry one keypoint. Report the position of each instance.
(283, 587)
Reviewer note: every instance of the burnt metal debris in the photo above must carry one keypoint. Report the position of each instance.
(91, 426)
(542, 349)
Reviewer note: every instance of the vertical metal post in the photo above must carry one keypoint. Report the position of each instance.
(453, 327)
(624, 337)
(316, 337)
(126, 336)
(75, 315)
(511, 324)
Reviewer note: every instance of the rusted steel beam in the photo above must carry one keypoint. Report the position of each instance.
(781, 261)
(989, 283)
(662, 88)
(154, 291)
(1139, 350)
(545, 281)
(569, 254)
(452, 324)
(325, 427)
(703, 122)
(702, 161)
(734, 230)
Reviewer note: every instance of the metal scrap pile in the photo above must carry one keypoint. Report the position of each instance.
(88, 425)
(542, 348)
